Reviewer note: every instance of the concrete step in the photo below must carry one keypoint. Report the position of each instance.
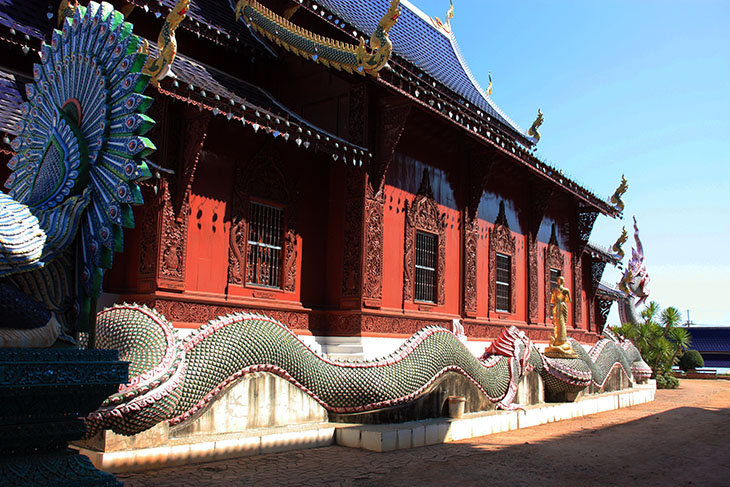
(400, 436)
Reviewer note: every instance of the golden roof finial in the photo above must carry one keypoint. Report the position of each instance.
(66, 9)
(489, 88)
(616, 197)
(535, 125)
(619, 243)
(445, 26)
(159, 67)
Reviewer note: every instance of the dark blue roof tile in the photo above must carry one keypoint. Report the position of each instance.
(710, 338)
(416, 40)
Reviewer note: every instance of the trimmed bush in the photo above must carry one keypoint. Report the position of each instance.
(691, 360)
(666, 381)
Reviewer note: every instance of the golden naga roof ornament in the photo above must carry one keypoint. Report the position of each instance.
(159, 67)
(376, 58)
(535, 125)
(618, 251)
(360, 59)
(444, 26)
(66, 9)
(489, 88)
(616, 200)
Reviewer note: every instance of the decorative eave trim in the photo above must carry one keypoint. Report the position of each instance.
(599, 253)
(258, 118)
(355, 59)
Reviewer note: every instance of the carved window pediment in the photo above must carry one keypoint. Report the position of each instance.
(262, 179)
(501, 241)
(423, 215)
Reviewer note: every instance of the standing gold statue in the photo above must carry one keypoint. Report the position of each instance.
(559, 346)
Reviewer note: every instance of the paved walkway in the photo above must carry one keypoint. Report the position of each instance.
(682, 438)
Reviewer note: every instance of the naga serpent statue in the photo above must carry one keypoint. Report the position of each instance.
(173, 379)
(78, 159)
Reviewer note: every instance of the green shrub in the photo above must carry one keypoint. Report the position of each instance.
(691, 360)
(666, 381)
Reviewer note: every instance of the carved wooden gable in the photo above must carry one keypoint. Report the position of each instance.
(554, 259)
(264, 178)
(423, 214)
(502, 241)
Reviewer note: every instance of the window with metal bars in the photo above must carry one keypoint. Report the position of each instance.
(265, 239)
(554, 274)
(426, 248)
(503, 288)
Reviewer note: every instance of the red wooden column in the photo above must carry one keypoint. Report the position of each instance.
(584, 222)
(364, 207)
(478, 169)
(540, 195)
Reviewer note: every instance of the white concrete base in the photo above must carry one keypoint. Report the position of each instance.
(388, 437)
(269, 440)
(380, 438)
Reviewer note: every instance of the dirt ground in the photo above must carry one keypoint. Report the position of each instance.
(681, 438)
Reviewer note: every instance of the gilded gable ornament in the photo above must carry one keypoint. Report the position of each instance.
(532, 132)
(159, 67)
(616, 200)
(618, 252)
(359, 59)
(444, 27)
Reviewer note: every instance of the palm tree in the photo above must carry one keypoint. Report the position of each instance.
(659, 341)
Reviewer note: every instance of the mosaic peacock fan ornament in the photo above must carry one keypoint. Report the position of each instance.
(79, 156)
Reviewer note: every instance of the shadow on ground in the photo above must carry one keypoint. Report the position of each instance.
(680, 446)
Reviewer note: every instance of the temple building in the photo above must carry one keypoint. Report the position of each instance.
(354, 190)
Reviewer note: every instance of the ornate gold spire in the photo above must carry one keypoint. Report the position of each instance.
(535, 125)
(489, 88)
(159, 67)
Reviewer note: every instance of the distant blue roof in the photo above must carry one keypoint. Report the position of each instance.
(416, 40)
(710, 338)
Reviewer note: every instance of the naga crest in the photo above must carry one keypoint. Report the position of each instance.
(635, 281)
(535, 125)
(616, 197)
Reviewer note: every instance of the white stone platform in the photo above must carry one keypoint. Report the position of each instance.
(388, 437)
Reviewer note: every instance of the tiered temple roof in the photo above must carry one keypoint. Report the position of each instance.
(426, 67)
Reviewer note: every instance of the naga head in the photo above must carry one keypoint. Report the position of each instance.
(178, 13)
(391, 16)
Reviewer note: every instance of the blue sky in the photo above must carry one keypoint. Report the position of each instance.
(640, 88)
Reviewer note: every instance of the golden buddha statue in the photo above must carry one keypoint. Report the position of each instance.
(559, 346)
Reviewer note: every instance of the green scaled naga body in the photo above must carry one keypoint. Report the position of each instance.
(174, 379)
